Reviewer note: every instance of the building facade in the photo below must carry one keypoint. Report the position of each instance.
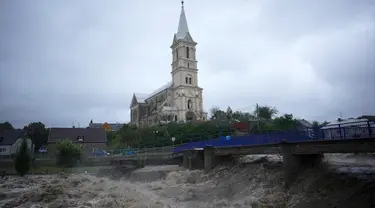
(90, 138)
(179, 100)
(11, 140)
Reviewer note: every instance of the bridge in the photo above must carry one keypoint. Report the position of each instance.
(299, 148)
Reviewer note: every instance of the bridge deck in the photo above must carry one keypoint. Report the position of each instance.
(339, 135)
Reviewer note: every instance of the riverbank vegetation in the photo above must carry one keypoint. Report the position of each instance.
(222, 123)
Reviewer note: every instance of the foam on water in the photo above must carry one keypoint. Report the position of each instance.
(255, 181)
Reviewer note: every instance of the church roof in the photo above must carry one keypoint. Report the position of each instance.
(160, 89)
(141, 98)
(183, 29)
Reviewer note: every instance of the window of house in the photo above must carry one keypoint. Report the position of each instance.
(80, 138)
(187, 52)
(3, 149)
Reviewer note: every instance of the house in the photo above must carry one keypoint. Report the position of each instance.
(106, 126)
(179, 100)
(304, 124)
(90, 138)
(10, 141)
(349, 128)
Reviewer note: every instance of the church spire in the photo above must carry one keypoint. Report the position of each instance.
(183, 29)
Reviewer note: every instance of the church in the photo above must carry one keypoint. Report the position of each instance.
(180, 100)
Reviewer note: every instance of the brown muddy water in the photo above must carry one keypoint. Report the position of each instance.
(346, 181)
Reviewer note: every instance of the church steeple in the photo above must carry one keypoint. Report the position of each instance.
(183, 29)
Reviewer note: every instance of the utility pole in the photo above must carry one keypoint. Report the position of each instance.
(257, 110)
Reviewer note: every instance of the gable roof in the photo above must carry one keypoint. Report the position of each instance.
(141, 98)
(114, 126)
(9, 137)
(91, 135)
(304, 123)
(138, 98)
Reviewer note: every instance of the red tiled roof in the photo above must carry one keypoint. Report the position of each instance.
(241, 126)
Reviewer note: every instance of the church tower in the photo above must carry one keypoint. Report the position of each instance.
(187, 94)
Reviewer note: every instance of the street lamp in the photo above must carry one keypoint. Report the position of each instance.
(155, 134)
(173, 139)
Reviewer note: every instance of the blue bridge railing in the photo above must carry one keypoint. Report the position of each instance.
(341, 131)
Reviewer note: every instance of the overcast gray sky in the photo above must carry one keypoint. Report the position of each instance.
(67, 61)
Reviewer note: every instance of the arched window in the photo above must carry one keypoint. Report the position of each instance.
(187, 52)
(190, 104)
(175, 117)
(176, 53)
(188, 65)
(188, 79)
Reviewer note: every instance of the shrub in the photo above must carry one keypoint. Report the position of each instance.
(22, 159)
(68, 153)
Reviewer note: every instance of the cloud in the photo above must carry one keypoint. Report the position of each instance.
(65, 61)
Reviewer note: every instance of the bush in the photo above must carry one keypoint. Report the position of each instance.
(22, 159)
(68, 153)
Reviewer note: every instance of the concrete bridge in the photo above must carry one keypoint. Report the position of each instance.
(296, 156)
(299, 149)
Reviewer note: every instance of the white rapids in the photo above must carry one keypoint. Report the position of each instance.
(255, 181)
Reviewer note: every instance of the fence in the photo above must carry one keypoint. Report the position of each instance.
(354, 130)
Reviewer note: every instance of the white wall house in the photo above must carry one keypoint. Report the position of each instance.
(349, 128)
(11, 140)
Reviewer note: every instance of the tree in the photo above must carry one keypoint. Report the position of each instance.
(22, 159)
(229, 113)
(242, 116)
(214, 111)
(68, 153)
(37, 133)
(265, 112)
(217, 114)
(6, 126)
(284, 122)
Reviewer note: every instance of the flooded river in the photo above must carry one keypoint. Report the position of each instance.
(346, 181)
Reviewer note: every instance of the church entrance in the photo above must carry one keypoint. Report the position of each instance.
(190, 116)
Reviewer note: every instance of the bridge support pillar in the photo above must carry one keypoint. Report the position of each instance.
(209, 158)
(193, 159)
(294, 164)
(185, 158)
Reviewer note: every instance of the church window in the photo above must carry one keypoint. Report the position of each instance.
(190, 104)
(177, 53)
(188, 65)
(187, 52)
(175, 117)
(189, 80)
